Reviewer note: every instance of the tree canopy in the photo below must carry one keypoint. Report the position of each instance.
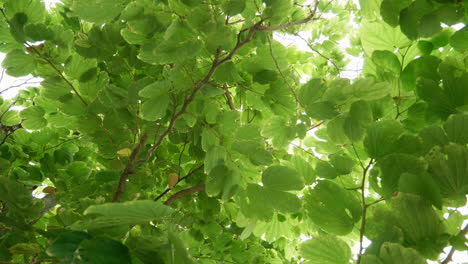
(185, 131)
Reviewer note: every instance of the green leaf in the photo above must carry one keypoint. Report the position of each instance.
(359, 117)
(127, 213)
(282, 178)
(342, 163)
(66, 244)
(420, 224)
(325, 249)
(233, 7)
(102, 250)
(258, 205)
(178, 251)
(17, 63)
(332, 208)
(216, 180)
(381, 136)
(380, 36)
(304, 168)
(390, 10)
(311, 91)
(459, 40)
(283, 202)
(322, 110)
(449, 169)
(386, 60)
(79, 171)
(325, 170)
(99, 11)
(33, 118)
(456, 128)
(422, 185)
(396, 253)
(155, 108)
(392, 167)
(215, 156)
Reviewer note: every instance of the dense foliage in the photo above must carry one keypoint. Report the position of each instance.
(183, 131)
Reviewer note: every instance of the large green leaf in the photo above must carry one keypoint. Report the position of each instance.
(332, 208)
(127, 213)
(459, 40)
(33, 118)
(99, 11)
(420, 224)
(66, 244)
(381, 136)
(325, 249)
(102, 250)
(449, 169)
(282, 178)
(17, 63)
(359, 117)
(396, 253)
(392, 167)
(456, 128)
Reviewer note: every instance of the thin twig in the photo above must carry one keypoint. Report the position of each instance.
(129, 168)
(281, 72)
(318, 52)
(364, 210)
(229, 98)
(183, 193)
(181, 179)
(452, 250)
(59, 72)
(316, 125)
(61, 143)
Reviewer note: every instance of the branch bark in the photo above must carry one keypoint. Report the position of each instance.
(181, 179)
(448, 259)
(183, 193)
(129, 168)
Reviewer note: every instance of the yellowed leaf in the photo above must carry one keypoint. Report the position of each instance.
(125, 152)
(172, 180)
(49, 189)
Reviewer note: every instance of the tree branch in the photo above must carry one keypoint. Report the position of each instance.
(217, 61)
(183, 193)
(129, 168)
(181, 179)
(448, 259)
(229, 98)
(364, 210)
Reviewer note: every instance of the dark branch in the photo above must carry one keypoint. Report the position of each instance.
(452, 250)
(129, 168)
(229, 98)
(181, 179)
(183, 193)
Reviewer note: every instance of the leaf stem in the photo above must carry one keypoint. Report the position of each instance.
(364, 209)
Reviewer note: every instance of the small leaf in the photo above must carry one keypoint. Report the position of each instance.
(125, 152)
(172, 180)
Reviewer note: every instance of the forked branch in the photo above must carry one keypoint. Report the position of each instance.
(217, 61)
